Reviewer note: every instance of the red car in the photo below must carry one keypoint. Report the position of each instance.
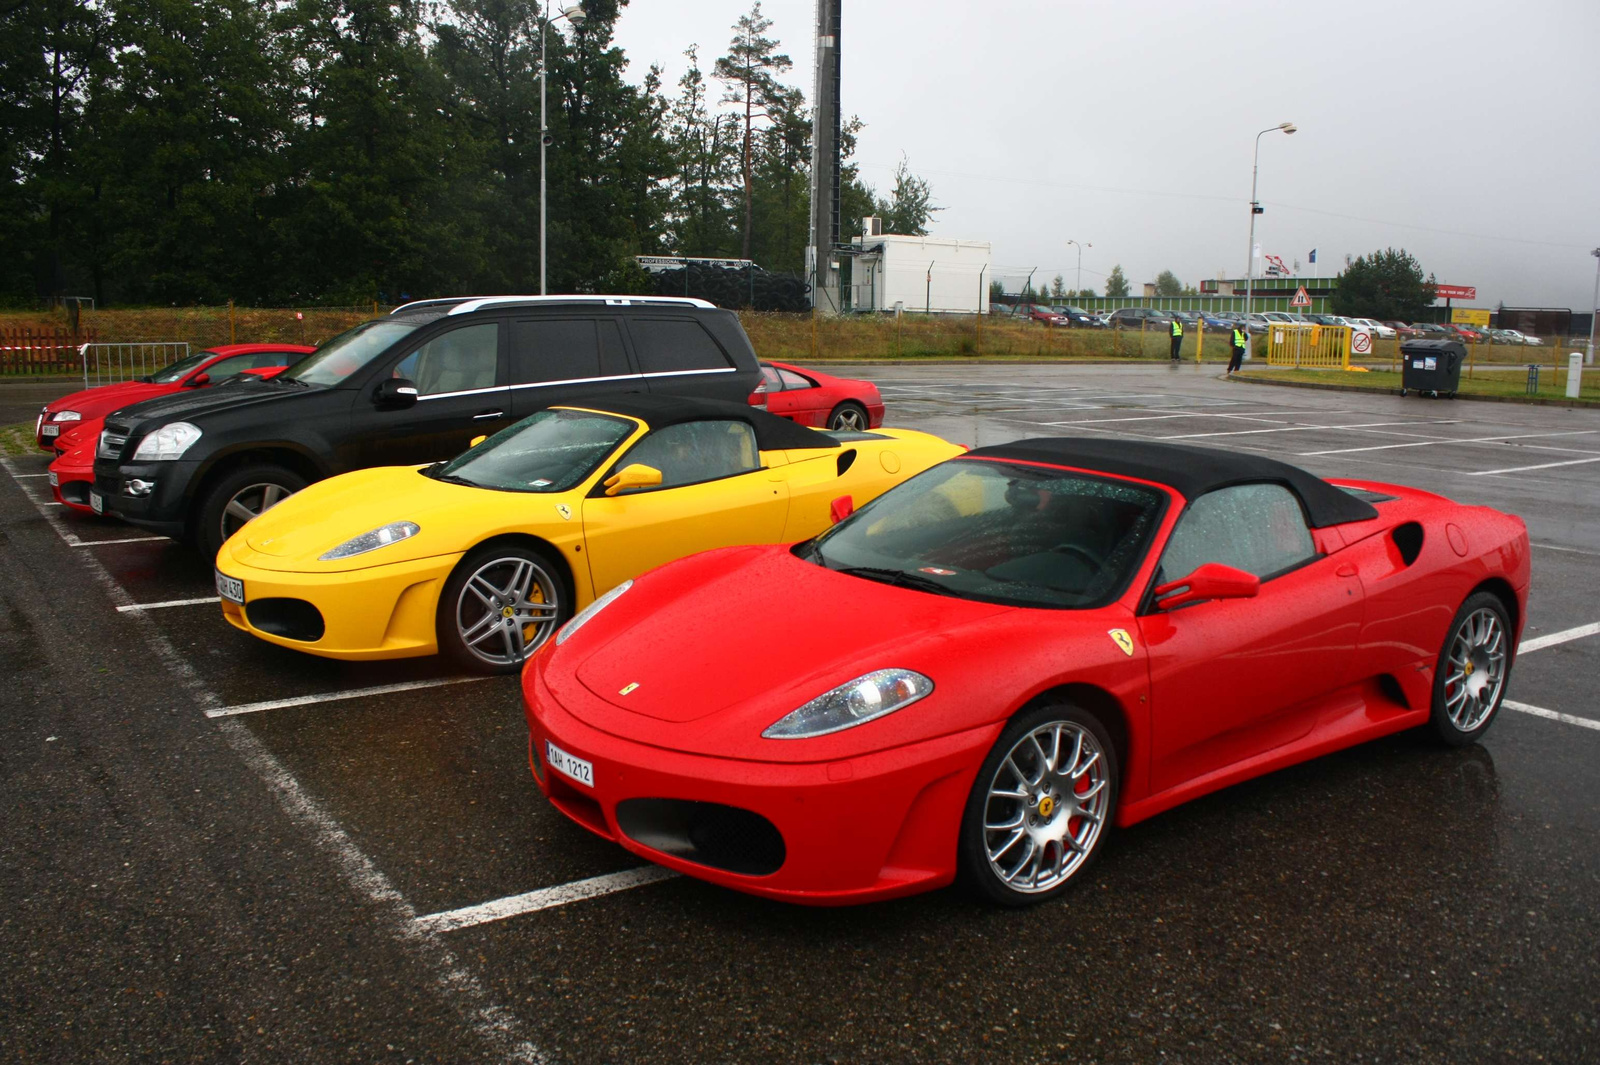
(72, 472)
(982, 671)
(203, 368)
(817, 399)
(1047, 316)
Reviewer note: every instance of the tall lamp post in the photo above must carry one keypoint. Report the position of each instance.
(575, 16)
(1080, 248)
(1594, 308)
(1255, 209)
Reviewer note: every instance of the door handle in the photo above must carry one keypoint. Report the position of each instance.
(1346, 570)
(489, 414)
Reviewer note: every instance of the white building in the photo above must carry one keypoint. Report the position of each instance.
(932, 274)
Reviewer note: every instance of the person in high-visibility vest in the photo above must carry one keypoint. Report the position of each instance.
(1240, 339)
(1177, 336)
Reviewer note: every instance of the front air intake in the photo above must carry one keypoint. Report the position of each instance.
(706, 833)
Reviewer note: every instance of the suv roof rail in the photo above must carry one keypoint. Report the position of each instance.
(466, 304)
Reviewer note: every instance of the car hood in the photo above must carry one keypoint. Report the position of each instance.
(723, 644)
(191, 403)
(292, 536)
(93, 402)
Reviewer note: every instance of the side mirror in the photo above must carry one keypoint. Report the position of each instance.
(396, 393)
(637, 475)
(477, 440)
(841, 508)
(1211, 581)
(199, 380)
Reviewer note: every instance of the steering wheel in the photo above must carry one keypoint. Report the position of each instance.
(1094, 560)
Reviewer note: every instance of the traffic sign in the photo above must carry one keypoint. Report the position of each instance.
(1360, 342)
(1301, 299)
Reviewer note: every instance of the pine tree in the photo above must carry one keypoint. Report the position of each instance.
(750, 71)
(1116, 282)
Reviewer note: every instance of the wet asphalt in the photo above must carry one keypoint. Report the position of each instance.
(244, 888)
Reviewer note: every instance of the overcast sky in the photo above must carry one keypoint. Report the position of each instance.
(1466, 132)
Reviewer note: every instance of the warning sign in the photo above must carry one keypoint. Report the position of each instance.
(1300, 298)
(1360, 343)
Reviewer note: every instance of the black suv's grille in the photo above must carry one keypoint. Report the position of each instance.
(112, 440)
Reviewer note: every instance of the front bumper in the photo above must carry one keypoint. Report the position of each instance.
(163, 509)
(70, 485)
(867, 828)
(372, 613)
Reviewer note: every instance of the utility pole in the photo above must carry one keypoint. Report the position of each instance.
(1079, 289)
(821, 257)
(1594, 308)
(1255, 209)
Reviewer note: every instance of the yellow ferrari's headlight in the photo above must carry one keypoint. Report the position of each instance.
(382, 536)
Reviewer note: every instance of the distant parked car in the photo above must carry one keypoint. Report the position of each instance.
(1039, 313)
(1375, 327)
(1257, 323)
(1138, 317)
(1279, 316)
(1403, 331)
(1470, 333)
(1077, 316)
(1516, 336)
(1434, 331)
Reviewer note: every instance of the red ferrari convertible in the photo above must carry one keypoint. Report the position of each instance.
(209, 367)
(817, 399)
(982, 671)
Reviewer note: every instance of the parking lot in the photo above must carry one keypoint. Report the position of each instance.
(221, 849)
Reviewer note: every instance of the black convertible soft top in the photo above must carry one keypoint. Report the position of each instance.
(657, 411)
(1192, 471)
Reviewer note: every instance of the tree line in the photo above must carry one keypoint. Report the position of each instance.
(341, 151)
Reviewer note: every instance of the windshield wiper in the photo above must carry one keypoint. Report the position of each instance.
(288, 381)
(899, 577)
(454, 478)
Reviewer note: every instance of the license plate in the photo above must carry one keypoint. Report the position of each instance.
(97, 502)
(567, 765)
(50, 430)
(55, 479)
(230, 588)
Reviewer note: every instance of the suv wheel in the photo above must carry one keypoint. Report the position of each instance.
(237, 498)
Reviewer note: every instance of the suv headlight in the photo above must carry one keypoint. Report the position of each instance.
(67, 416)
(871, 696)
(382, 536)
(590, 611)
(168, 442)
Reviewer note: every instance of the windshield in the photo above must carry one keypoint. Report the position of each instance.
(999, 532)
(550, 451)
(181, 369)
(348, 352)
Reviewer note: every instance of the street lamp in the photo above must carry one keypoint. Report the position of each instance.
(575, 16)
(1594, 308)
(1080, 247)
(1255, 209)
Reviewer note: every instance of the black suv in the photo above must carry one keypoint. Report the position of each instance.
(414, 387)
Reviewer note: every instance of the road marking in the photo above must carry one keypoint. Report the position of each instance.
(1300, 429)
(127, 540)
(1448, 440)
(543, 899)
(1569, 550)
(22, 476)
(170, 602)
(1539, 711)
(1539, 643)
(1524, 469)
(334, 697)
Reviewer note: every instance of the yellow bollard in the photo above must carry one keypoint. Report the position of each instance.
(230, 321)
(1199, 338)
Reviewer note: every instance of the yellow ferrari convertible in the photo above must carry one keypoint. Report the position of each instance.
(486, 555)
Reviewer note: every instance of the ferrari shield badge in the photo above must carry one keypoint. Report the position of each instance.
(1121, 638)
(565, 511)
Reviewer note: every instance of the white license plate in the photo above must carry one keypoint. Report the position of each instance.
(97, 502)
(567, 765)
(55, 479)
(50, 430)
(230, 588)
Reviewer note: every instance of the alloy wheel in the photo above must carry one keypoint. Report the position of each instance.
(1046, 806)
(849, 419)
(251, 502)
(1475, 669)
(506, 609)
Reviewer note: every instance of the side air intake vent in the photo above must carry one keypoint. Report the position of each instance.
(1408, 538)
(846, 460)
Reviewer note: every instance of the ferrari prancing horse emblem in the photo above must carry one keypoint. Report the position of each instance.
(629, 688)
(1121, 638)
(565, 511)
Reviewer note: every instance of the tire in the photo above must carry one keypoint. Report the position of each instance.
(1030, 828)
(849, 416)
(1469, 680)
(238, 497)
(472, 623)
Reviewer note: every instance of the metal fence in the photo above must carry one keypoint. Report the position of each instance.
(105, 364)
(1325, 346)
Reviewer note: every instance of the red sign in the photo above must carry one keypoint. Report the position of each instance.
(1300, 298)
(1455, 292)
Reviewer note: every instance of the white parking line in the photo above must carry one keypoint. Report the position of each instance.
(334, 697)
(1539, 643)
(543, 898)
(1302, 429)
(1569, 550)
(1539, 711)
(1447, 440)
(1524, 469)
(125, 540)
(170, 602)
(23, 476)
